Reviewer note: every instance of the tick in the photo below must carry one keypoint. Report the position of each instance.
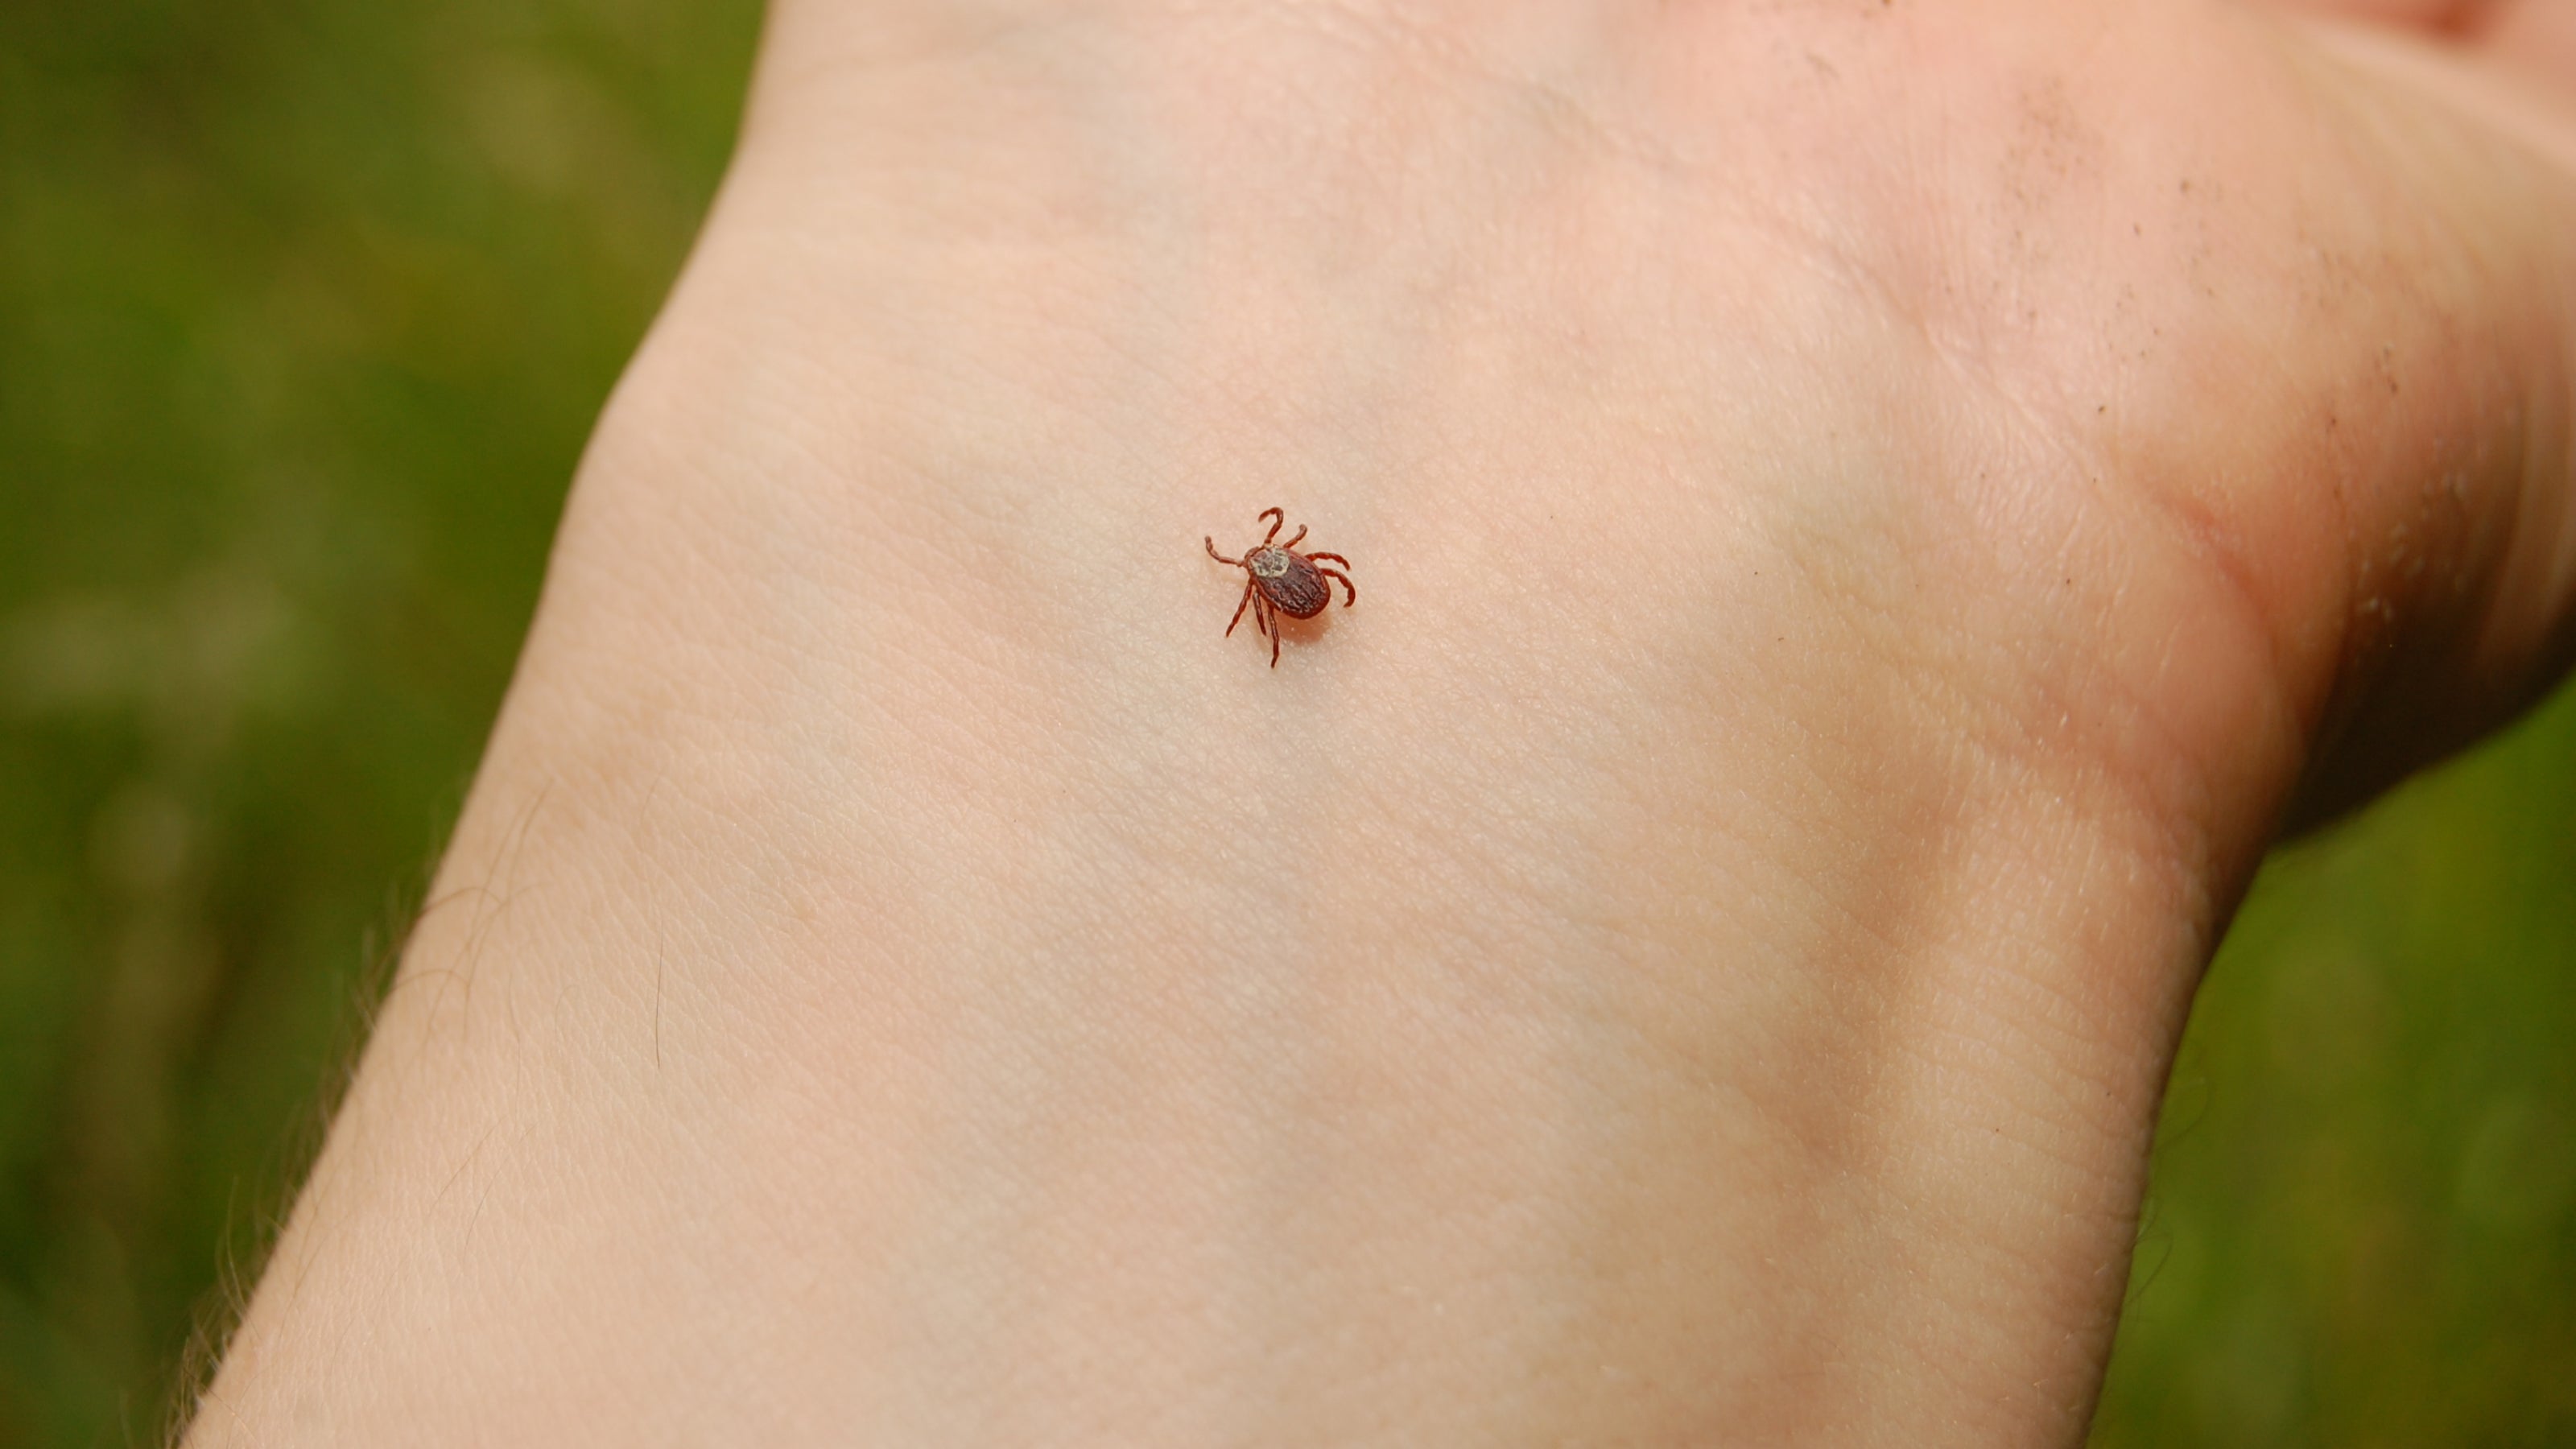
(1280, 580)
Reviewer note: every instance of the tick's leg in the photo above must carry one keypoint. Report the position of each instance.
(1292, 543)
(1238, 610)
(1220, 558)
(1350, 591)
(1337, 558)
(1271, 617)
(1279, 517)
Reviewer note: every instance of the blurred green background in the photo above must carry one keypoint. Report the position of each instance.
(305, 309)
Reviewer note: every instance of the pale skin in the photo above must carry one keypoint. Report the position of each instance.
(1875, 514)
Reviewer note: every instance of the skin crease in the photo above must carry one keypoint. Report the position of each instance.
(1873, 515)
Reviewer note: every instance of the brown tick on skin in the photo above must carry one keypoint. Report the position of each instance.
(1280, 580)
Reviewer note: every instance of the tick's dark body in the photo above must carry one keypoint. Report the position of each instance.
(1280, 580)
(1290, 582)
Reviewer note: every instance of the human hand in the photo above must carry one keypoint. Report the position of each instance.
(1868, 516)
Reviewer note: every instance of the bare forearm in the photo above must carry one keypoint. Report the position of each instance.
(1692, 952)
(907, 966)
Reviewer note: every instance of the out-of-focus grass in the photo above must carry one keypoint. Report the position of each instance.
(305, 307)
(2363, 1225)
